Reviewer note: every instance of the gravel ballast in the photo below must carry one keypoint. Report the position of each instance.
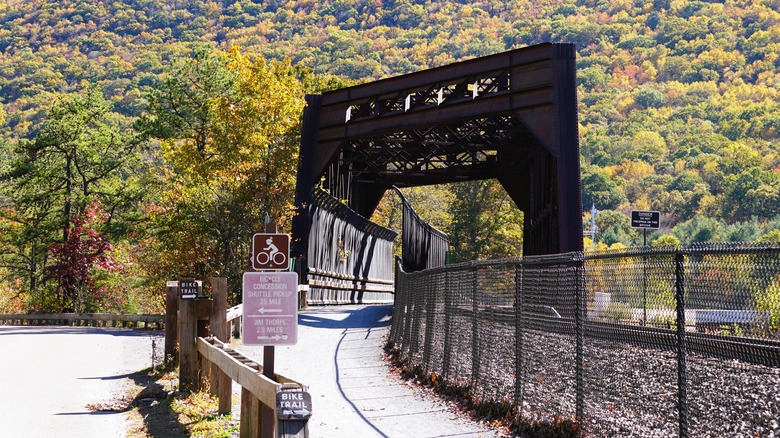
(628, 391)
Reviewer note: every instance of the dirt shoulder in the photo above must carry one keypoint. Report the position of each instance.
(150, 412)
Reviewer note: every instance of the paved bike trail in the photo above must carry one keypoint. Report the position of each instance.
(339, 355)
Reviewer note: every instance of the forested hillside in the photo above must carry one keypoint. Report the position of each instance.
(679, 100)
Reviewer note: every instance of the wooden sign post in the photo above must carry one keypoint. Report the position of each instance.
(194, 314)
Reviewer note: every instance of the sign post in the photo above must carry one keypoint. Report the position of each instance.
(188, 288)
(646, 220)
(293, 404)
(270, 304)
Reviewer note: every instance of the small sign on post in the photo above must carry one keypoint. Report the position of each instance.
(293, 404)
(645, 219)
(270, 308)
(270, 251)
(188, 288)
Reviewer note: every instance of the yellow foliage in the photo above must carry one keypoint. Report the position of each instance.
(622, 83)
(708, 206)
(768, 301)
(642, 203)
(618, 246)
(633, 170)
(611, 170)
(649, 70)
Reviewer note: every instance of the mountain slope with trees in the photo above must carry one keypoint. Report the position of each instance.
(679, 107)
(677, 97)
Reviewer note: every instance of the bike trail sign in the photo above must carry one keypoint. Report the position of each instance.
(270, 308)
(270, 251)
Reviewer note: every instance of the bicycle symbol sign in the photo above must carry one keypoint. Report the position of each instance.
(270, 251)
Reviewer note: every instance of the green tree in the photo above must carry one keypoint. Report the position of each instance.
(486, 224)
(600, 190)
(699, 229)
(82, 153)
(614, 227)
(753, 192)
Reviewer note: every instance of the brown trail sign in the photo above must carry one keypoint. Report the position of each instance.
(270, 251)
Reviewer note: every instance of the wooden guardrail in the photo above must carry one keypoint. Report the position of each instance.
(257, 389)
(335, 280)
(85, 319)
(204, 358)
(235, 316)
(235, 312)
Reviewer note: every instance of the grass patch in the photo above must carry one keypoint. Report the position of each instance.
(198, 412)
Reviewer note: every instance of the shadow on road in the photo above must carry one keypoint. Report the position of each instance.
(154, 417)
(60, 330)
(347, 317)
(154, 407)
(117, 377)
(359, 323)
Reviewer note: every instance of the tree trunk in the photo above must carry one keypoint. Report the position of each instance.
(68, 199)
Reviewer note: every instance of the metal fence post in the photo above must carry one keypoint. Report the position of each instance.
(430, 318)
(475, 359)
(519, 337)
(682, 377)
(406, 334)
(446, 360)
(416, 309)
(580, 316)
(395, 327)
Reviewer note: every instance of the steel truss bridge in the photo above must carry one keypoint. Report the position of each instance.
(510, 116)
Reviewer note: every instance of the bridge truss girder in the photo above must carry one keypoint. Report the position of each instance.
(510, 116)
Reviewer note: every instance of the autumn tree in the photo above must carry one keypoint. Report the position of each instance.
(486, 224)
(77, 258)
(228, 129)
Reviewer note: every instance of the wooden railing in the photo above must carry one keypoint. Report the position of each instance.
(339, 281)
(203, 357)
(235, 315)
(257, 389)
(85, 319)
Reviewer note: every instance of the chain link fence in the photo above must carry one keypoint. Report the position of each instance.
(650, 342)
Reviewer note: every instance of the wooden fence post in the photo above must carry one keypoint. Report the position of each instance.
(188, 356)
(193, 317)
(221, 384)
(171, 325)
(250, 415)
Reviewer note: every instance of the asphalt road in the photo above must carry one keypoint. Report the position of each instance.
(49, 376)
(339, 356)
